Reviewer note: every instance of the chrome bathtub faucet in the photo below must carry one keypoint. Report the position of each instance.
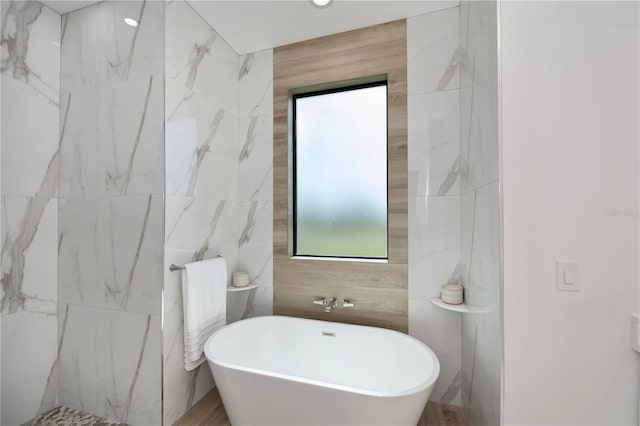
(346, 303)
(320, 301)
(332, 302)
(328, 304)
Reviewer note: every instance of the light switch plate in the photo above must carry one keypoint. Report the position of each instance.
(568, 276)
(635, 332)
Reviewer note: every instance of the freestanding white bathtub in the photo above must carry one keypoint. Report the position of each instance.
(292, 371)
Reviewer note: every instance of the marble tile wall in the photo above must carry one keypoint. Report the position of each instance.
(111, 211)
(255, 156)
(218, 115)
(480, 212)
(203, 211)
(434, 189)
(30, 74)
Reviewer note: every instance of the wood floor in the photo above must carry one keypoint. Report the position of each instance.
(210, 412)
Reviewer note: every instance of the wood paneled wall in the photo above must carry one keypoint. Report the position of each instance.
(378, 289)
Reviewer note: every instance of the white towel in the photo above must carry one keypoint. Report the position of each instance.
(204, 301)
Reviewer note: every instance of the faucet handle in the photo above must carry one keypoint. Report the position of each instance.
(332, 303)
(320, 301)
(346, 303)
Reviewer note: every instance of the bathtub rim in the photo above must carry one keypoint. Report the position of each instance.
(427, 384)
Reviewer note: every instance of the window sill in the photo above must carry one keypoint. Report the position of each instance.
(340, 259)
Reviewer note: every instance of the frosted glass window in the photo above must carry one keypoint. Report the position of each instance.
(340, 172)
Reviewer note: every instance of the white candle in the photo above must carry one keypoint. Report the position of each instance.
(451, 294)
(240, 279)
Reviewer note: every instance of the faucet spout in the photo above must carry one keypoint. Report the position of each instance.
(331, 304)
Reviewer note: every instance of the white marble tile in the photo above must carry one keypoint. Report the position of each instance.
(198, 58)
(219, 82)
(479, 153)
(256, 158)
(478, 44)
(29, 353)
(112, 140)
(82, 251)
(134, 246)
(208, 227)
(256, 303)
(98, 47)
(135, 137)
(255, 254)
(132, 367)
(234, 308)
(31, 46)
(29, 251)
(465, 137)
(29, 152)
(481, 346)
(481, 248)
(432, 52)
(463, 22)
(175, 376)
(467, 216)
(173, 280)
(201, 162)
(479, 96)
(468, 356)
(82, 143)
(201, 140)
(255, 73)
(83, 63)
(132, 52)
(440, 330)
(186, 33)
(480, 264)
(434, 245)
(434, 144)
(81, 365)
(182, 389)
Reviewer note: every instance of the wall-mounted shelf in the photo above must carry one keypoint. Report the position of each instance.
(455, 308)
(232, 289)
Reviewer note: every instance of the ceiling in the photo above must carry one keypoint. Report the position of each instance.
(66, 6)
(250, 26)
(253, 25)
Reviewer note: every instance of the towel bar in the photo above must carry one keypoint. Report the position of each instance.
(173, 267)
